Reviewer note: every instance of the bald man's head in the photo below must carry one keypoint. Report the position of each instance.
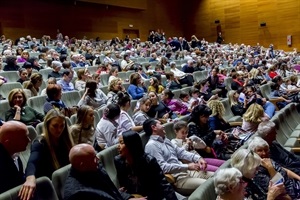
(83, 158)
(14, 136)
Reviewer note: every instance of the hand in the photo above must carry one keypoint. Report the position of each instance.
(189, 142)
(166, 116)
(266, 162)
(17, 108)
(202, 163)
(28, 188)
(275, 190)
(194, 166)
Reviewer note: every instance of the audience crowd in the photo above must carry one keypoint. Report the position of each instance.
(169, 90)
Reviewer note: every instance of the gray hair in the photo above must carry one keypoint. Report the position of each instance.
(246, 161)
(257, 142)
(225, 179)
(264, 128)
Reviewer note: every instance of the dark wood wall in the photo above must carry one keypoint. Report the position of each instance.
(40, 17)
(240, 21)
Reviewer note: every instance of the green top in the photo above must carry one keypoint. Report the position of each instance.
(29, 116)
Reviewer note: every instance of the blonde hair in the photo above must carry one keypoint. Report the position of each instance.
(113, 83)
(254, 113)
(216, 107)
(30, 85)
(11, 95)
(245, 160)
(232, 101)
(253, 73)
(65, 135)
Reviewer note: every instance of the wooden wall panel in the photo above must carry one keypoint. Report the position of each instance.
(240, 21)
(20, 18)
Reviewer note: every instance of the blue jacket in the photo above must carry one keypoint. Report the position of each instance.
(136, 92)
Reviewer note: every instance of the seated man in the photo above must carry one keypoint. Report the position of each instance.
(188, 176)
(266, 130)
(13, 139)
(65, 82)
(88, 179)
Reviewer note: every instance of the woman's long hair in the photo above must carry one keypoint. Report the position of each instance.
(133, 143)
(65, 137)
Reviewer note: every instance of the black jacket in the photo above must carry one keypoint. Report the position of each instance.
(146, 179)
(10, 176)
(285, 158)
(91, 186)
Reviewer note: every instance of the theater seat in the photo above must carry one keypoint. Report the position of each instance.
(59, 178)
(44, 191)
(107, 159)
(204, 192)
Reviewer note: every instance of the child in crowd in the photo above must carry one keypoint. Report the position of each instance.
(172, 83)
(141, 115)
(83, 130)
(23, 75)
(155, 86)
(192, 143)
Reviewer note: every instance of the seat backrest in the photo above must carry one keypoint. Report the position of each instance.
(228, 81)
(197, 76)
(104, 79)
(59, 178)
(228, 113)
(39, 128)
(104, 89)
(24, 155)
(186, 89)
(71, 98)
(132, 107)
(265, 90)
(7, 87)
(176, 93)
(37, 103)
(169, 128)
(12, 76)
(44, 190)
(4, 106)
(107, 159)
(205, 191)
(123, 76)
(45, 73)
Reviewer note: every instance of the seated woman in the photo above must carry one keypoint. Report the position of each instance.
(158, 109)
(83, 130)
(53, 99)
(19, 111)
(125, 122)
(204, 90)
(113, 74)
(269, 168)
(82, 77)
(34, 84)
(106, 130)
(175, 105)
(237, 108)
(114, 87)
(172, 82)
(24, 57)
(216, 120)
(247, 162)
(193, 143)
(198, 126)
(141, 115)
(131, 165)
(136, 88)
(93, 96)
(229, 184)
(252, 117)
(49, 152)
(155, 86)
(23, 75)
